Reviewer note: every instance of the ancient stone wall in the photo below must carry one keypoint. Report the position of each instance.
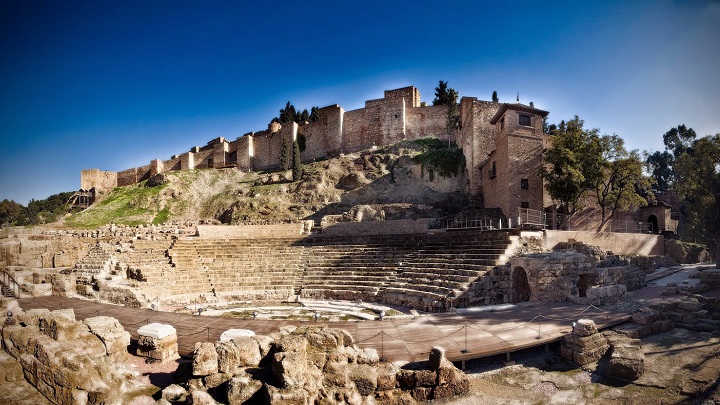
(99, 179)
(424, 122)
(361, 128)
(251, 231)
(399, 227)
(618, 243)
(476, 137)
(323, 138)
(172, 164)
(267, 146)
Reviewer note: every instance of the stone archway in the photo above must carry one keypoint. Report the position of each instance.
(520, 286)
(652, 219)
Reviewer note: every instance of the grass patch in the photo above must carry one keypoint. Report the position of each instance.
(161, 216)
(128, 205)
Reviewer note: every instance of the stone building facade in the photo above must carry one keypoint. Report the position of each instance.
(502, 144)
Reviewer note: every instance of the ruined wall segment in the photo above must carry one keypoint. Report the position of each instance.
(323, 138)
(244, 152)
(476, 137)
(101, 180)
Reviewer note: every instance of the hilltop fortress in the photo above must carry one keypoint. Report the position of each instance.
(502, 144)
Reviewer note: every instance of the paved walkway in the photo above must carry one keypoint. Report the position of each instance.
(473, 334)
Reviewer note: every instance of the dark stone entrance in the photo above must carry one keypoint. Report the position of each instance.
(652, 219)
(520, 286)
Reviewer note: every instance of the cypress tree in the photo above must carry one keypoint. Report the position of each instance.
(297, 170)
(285, 154)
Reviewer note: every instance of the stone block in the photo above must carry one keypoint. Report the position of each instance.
(583, 358)
(646, 317)
(231, 334)
(241, 388)
(584, 327)
(626, 362)
(365, 378)
(405, 379)
(425, 378)
(205, 359)
(156, 330)
(174, 393)
(437, 355)
(109, 330)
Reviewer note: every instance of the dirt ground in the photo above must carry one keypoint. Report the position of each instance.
(681, 367)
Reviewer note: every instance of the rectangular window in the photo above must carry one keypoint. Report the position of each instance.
(524, 184)
(524, 204)
(525, 120)
(502, 123)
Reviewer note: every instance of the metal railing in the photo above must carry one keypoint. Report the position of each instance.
(533, 219)
(620, 226)
(10, 282)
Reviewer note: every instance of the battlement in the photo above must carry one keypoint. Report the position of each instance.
(398, 116)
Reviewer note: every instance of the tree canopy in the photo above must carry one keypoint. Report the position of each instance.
(448, 96)
(697, 172)
(36, 212)
(677, 141)
(581, 161)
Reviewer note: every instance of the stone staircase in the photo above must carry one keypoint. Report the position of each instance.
(97, 262)
(6, 291)
(235, 268)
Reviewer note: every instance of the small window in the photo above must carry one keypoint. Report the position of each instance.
(210, 163)
(502, 123)
(493, 172)
(395, 115)
(525, 205)
(524, 184)
(525, 120)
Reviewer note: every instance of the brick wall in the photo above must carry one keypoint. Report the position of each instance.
(409, 93)
(424, 122)
(476, 137)
(361, 129)
(324, 137)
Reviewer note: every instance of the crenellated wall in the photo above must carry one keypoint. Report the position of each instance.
(489, 132)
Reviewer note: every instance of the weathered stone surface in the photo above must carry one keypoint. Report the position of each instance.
(286, 396)
(156, 330)
(198, 397)
(437, 354)
(215, 380)
(626, 362)
(241, 388)
(174, 393)
(265, 344)
(290, 368)
(368, 356)
(364, 377)
(584, 327)
(109, 330)
(205, 359)
(231, 334)
(646, 316)
(335, 374)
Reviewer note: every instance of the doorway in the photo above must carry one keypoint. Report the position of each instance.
(520, 286)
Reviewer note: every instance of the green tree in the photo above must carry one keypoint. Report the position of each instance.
(285, 153)
(570, 163)
(495, 98)
(314, 114)
(442, 96)
(698, 183)
(10, 212)
(305, 116)
(448, 96)
(288, 114)
(297, 170)
(620, 182)
(677, 141)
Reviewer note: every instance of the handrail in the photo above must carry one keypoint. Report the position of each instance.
(10, 281)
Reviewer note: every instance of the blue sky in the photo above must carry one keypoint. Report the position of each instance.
(114, 84)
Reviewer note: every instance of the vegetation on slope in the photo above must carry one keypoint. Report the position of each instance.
(388, 179)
